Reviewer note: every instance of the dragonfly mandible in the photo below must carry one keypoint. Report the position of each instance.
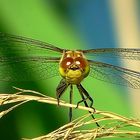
(73, 65)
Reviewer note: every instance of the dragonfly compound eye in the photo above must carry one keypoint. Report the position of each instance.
(65, 63)
(81, 62)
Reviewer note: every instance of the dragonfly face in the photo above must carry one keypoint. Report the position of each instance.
(73, 66)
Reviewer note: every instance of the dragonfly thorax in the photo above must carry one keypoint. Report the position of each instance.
(74, 67)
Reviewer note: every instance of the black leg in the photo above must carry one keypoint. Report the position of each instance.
(70, 109)
(81, 101)
(61, 88)
(80, 88)
(87, 95)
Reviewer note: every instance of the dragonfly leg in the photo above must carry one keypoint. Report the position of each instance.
(81, 91)
(61, 89)
(81, 102)
(70, 109)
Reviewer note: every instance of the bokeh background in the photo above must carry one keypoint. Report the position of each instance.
(79, 24)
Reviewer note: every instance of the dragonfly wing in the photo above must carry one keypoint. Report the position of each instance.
(22, 58)
(125, 53)
(11, 44)
(114, 74)
(25, 69)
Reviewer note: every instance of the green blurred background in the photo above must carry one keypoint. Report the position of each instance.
(79, 24)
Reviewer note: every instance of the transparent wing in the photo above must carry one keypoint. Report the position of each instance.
(22, 58)
(125, 53)
(114, 74)
(25, 69)
(12, 45)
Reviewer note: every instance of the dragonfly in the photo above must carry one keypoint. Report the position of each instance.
(47, 60)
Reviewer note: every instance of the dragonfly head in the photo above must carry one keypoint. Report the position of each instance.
(74, 67)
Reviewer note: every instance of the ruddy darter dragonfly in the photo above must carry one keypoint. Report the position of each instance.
(73, 65)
